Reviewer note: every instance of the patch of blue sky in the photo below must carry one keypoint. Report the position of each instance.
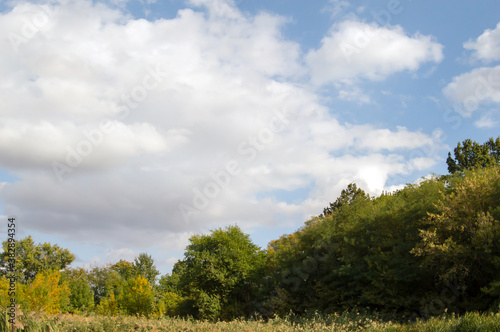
(289, 196)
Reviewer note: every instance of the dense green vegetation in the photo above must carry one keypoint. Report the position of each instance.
(428, 249)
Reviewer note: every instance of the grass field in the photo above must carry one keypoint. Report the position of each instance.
(34, 322)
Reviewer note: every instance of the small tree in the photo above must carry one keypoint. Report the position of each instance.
(137, 297)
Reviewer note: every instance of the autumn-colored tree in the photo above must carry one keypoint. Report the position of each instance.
(45, 293)
(108, 306)
(137, 297)
(4, 292)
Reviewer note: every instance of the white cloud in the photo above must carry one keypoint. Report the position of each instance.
(487, 46)
(38, 145)
(471, 90)
(353, 94)
(486, 121)
(359, 50)
(195, 93)
(381, 139)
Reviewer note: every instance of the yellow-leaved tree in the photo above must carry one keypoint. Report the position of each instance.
(4, 292)
(108, 306)
(137, 297)
(45, 293)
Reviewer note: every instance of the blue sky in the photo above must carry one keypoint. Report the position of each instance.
(129, 126)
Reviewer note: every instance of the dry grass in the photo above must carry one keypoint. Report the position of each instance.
(35, 322)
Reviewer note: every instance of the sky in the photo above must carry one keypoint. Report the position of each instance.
(127, 126)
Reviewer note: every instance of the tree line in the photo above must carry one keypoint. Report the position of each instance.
(431, 247)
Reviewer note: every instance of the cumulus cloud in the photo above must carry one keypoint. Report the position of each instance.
(356, 49)
(471, 90)
(179, 124)
(486, 47)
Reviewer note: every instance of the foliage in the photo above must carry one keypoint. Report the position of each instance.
(170, 304)
(217, 276)
(125, 269)
(144, 266)
(137, 297)
(347, 196)
(45, 293)
(108, 306)
(348, 258)
(81, 297)
(469, 155)
(462, 241)
(31, 258)
(4, 292)
(103, 281)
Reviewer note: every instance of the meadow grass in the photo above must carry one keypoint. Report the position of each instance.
(37, 322)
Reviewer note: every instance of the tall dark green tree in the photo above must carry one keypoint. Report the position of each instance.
(470, 154)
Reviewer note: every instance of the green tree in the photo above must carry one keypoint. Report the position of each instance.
(104, 281)
(347, 196)
(462, 239)
(81, 297)
(217, 276)
(33, 258)
(144, 265)
(125, 269)
(470, 154)
(349, 257)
